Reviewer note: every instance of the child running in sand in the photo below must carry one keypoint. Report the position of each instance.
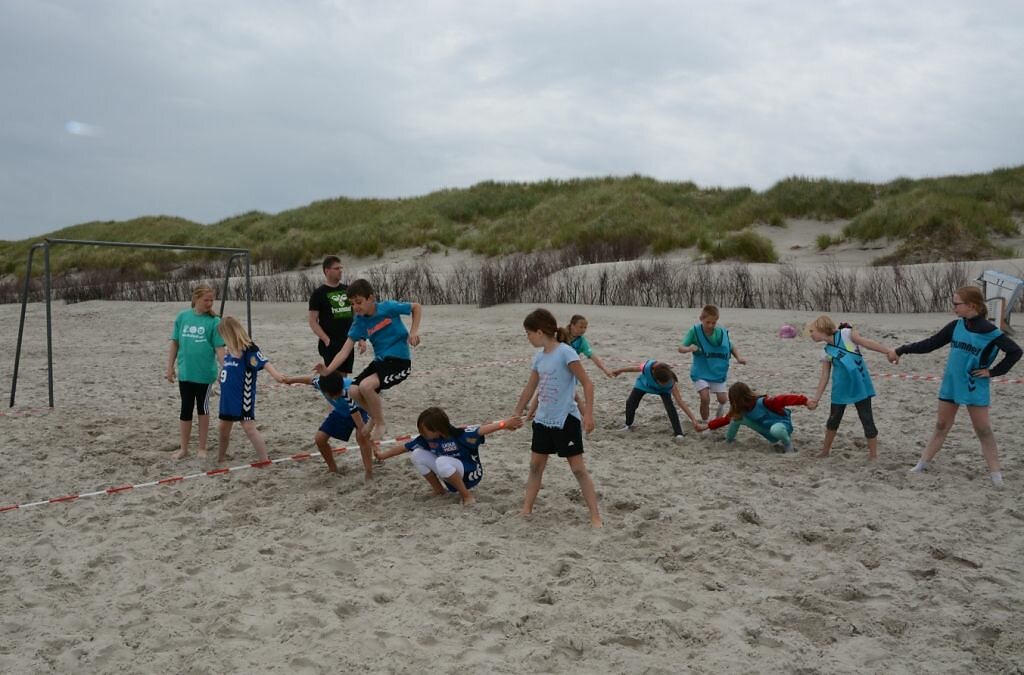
(345, 417)
(657, 378)
(381, 323)
(711, 348)
(242, 363)
(197, 349)
(851, 382)
(449, 457)
(767, 415)
(559, 424)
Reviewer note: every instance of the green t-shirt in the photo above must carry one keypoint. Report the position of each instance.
(198, 339)
(691, 336)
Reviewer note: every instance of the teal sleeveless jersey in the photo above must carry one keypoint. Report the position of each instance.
(765, 417)
(646, 382)
(710, 363)
(958, 385)
(851, 382)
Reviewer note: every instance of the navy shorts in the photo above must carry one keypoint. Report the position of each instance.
(565, 442)
(340, 426)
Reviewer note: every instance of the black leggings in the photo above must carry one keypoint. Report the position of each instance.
(193, 395)
(835, 416)
(633, 402)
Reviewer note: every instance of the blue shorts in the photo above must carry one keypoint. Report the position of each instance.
(337, 425)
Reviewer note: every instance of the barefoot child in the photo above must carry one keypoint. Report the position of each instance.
(851, 382)
(198, 350)
(657, 378)
(711, 348)
(242, 363)
(558, 425)
(767, 415)
(380, 323)
(344, 418)
(449, 457)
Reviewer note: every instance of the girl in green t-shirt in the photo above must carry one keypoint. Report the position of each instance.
(197, 349)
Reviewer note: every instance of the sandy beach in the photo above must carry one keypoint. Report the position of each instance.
(713, 558)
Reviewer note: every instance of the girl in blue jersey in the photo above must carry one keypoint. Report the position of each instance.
(974, 342)
(657, 378)
(344, 418)
(767, 415)
(242, 362)
(380, 322)
(842, 360)
(449, 457)
(559, 424)
(712, 348)
(197, 350)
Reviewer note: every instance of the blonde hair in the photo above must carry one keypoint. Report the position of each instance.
(201, 290)
(235, 336)
(709, 312)
(823, 324)
(973, 296)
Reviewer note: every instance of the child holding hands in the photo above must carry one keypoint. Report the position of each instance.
(851, 381)
(242, 362)
(657, 378)
(449, 457)
(767, 415)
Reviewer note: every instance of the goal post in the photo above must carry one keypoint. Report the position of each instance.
(239, 254)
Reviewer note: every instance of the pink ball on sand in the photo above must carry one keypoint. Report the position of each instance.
(787, 331)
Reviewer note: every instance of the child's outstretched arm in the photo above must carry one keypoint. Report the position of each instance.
(628, 369)
(510, 423)
(678, 396)
(736, 355)
(826, 372)
(298, 379)
(600, 365)
(336, 362)
(275, 373)
(889, 352)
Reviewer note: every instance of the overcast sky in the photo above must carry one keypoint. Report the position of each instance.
(112, 109)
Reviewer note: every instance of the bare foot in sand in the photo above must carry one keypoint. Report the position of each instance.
(180, 454)
(824, 453)
(469, 501)
(596, 523)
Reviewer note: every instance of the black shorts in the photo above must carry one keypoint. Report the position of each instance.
(565, 442)
(194, 396)
(389, 371)
(328, 352)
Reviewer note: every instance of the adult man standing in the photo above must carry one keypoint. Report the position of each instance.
(330, 314)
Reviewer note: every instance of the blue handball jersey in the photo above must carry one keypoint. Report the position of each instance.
(384, 330)
(238, 383)
(464, 447)
(851, 381)
(710, 362)
(646, 382)
(343, 404)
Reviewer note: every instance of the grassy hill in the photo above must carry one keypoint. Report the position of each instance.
(946, 218)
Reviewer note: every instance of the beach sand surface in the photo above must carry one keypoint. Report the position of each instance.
(713, 558)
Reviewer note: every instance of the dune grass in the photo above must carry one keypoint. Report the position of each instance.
(611, 218)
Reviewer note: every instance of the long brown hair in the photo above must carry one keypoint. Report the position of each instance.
(741, 400)
(435, 419)
(544, 321)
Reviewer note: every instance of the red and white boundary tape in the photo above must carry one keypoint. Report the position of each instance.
(170, 480)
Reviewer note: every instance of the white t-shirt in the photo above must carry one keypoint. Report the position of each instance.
(556, 390)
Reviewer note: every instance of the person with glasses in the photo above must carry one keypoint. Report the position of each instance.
(974, 342)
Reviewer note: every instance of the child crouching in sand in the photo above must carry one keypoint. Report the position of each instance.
(449, 457)
(767, 415)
